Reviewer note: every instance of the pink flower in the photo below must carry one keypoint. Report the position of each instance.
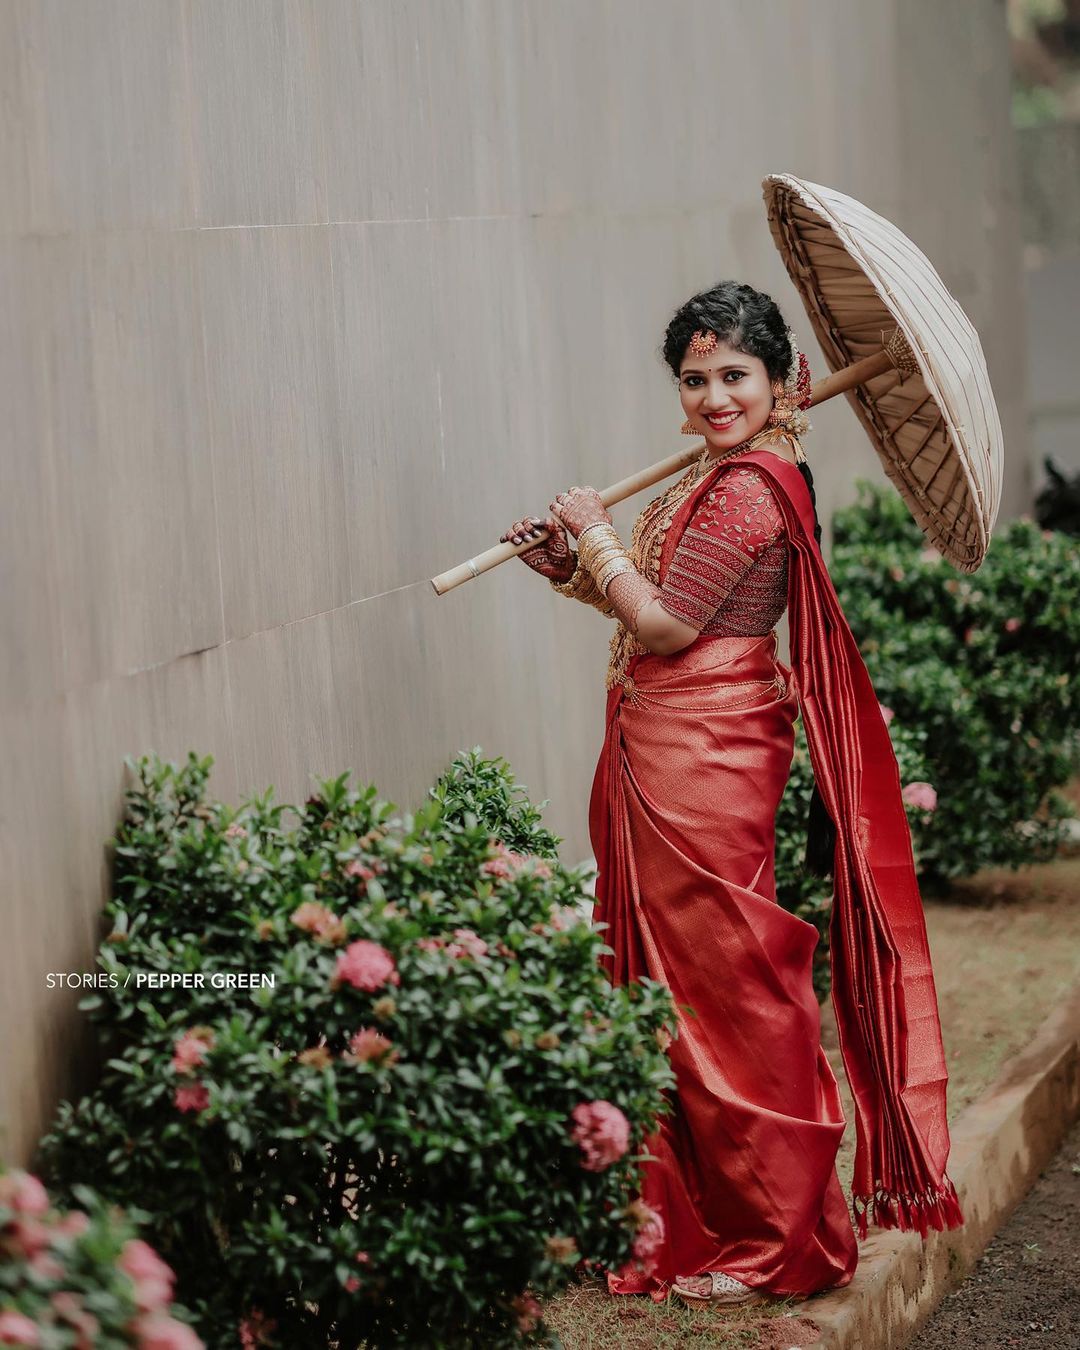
(48, 1267)
(189, 1050)
(368, 1044)
(73, 1225)
(366, 965)
(321, 922)
(235, 831)
(357, 869)
(650, 1236)
(165, 1333)
(15, 1329)
(24, 1194)
(431, 944)
(152, 1278)
(254, 1329)
(921, 795)
(1011, 625)
(192, 1097)
(69, 1308)
(528, 1312)
(506, 864)
(26, 1237)
(498, 867)
(602, 1133)
(468, 944)
(560, 1248)
(352, 1284)
(887, 714)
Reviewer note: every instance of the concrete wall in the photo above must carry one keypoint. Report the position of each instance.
(305, 300)
(1049, 172)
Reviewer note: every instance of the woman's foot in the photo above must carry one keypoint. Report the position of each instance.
(713, 1287)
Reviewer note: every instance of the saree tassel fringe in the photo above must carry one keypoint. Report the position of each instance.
(937, 1208)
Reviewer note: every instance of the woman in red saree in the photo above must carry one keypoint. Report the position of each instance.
(698, 746)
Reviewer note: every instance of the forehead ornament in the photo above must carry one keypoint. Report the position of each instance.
(703, 343)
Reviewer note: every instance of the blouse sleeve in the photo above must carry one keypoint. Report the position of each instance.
(734, 524)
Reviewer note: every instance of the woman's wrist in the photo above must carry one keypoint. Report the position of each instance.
(601, 550)
(593, 525)
(581, 586)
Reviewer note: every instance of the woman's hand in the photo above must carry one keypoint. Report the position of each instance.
(578, 507)
(552, 558)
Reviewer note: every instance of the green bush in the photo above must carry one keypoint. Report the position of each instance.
(436, 1113)
(76, 1280)
(800, 891)
(983, 665)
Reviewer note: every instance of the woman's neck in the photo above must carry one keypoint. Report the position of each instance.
(768, 438)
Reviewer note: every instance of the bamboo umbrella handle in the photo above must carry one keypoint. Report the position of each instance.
(847, 378)
(824, 389)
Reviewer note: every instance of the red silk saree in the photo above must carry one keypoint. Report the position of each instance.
(695, 759)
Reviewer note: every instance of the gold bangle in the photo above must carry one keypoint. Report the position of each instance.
(595, 525)
(582, 586)
(602, 543)
(604, 555)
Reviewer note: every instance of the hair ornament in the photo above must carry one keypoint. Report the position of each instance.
(703, 343)
(793, 393)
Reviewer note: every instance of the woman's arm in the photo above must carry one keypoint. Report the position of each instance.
(636, 601)
(733, 525)
(631, 597)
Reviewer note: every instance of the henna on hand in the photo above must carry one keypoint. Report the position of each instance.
(628, 595)
(578, 507)
(552, 557)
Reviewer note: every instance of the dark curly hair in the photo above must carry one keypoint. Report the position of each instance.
(748, 320)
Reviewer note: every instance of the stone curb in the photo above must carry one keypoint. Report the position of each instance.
(999, 1146)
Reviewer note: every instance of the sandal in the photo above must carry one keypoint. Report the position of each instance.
(721, 1289)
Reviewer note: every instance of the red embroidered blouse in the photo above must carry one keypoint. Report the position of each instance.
(729, 574)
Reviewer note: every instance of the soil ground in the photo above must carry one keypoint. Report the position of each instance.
(1025, 1289)
(1005, 948)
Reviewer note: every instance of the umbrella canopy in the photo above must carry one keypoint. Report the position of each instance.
(931, 416)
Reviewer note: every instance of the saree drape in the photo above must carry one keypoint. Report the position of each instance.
(696, 755)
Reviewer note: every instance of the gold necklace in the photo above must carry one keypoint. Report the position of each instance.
(709, 462)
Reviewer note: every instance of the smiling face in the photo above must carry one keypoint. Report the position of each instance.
(727, 396)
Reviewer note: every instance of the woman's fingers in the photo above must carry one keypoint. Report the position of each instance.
(528, 527)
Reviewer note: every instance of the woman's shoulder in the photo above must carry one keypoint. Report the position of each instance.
(739, 479)
(740, 503)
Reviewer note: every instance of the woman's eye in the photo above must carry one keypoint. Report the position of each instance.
(737, 373)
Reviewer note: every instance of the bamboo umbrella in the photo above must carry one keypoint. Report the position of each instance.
(931, 418)
(899, 346)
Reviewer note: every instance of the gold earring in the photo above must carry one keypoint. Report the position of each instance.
(687, 429)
